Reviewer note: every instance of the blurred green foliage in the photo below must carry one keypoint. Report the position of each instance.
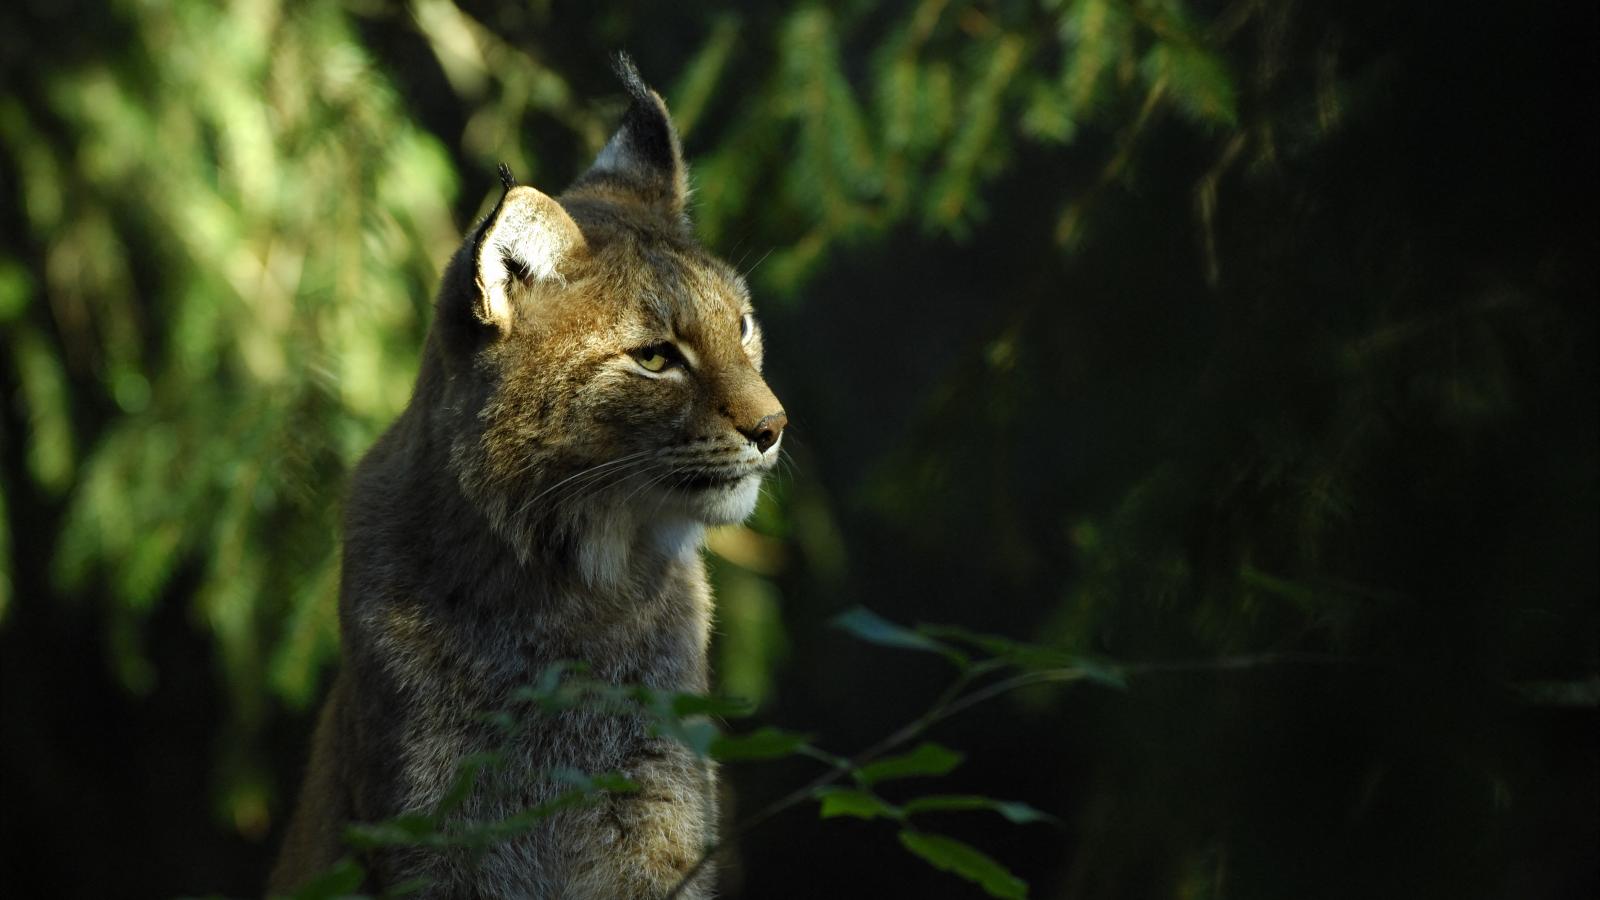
(238, 224)
(1149, 328)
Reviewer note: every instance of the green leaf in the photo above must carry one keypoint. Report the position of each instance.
(874, 629)
(45, 393)
(343, 880)
(1020, 813)
(1198, 82)
(951, 855)
(547, 689)
(927, 759)
(408, 887)
(698, 735)
(858, 804)
(951, 194)
(409, 830)
(16, 287)
(467, 779)
(764, 743)
(1047, 117)
(1101, 672)
(613, 782)
(1031, 657)
(685, 705)
(487, 834)
(502, 721)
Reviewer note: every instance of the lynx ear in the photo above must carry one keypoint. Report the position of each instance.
(644, 157)
(529, 239)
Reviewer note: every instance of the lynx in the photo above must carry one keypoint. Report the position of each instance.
(589, 399)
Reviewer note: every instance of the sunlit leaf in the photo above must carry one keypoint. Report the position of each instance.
(50, 453)
(16, 288)
(1197, 80)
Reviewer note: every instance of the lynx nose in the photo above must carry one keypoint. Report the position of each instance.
(766, 432)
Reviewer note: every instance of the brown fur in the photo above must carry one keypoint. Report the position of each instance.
(543, 498)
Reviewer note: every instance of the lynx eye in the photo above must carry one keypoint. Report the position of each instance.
(657, 357)
(747, 327)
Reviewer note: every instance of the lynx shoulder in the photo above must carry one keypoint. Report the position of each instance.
(589, 399)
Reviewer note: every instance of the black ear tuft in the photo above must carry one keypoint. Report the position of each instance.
(652, 137)
(507, 180)
(628, 73)
(644, 157)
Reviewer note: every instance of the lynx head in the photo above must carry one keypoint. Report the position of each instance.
(601, 372)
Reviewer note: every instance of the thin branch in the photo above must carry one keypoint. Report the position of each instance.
(952, 701)
(799, 795)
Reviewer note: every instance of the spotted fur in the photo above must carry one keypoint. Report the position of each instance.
(543, 498)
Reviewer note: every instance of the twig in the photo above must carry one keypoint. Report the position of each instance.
(951, 701)
(799, 795)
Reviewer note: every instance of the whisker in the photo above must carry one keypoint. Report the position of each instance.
(743, 256)
(551, 516)
(589, 471)
(683, 476)
(650, 483)
(752, 269)
(599, 479)
(535, 461)
(783, 466)
(650, 470)
(604, 482)
(577, 481)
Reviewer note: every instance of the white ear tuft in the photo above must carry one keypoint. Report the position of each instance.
(530, 240)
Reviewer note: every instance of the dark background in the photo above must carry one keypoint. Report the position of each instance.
(1283, 344)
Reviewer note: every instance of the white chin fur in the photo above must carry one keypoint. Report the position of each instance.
(673, 522)
(725, 505)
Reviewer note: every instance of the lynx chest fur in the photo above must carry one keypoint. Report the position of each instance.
(589, 400)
